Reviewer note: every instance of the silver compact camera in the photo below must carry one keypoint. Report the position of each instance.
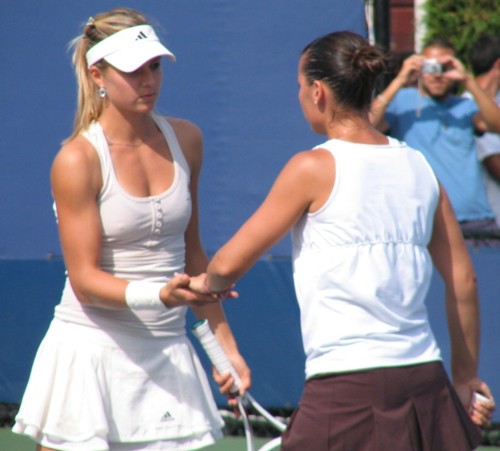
(432, 67)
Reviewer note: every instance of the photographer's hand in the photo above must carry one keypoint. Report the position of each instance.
(453, 68)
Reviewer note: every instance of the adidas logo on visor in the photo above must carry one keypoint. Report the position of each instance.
(115, 48)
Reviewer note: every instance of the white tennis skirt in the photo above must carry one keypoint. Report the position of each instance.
(93, 390)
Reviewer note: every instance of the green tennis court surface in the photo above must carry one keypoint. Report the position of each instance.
(14, 442)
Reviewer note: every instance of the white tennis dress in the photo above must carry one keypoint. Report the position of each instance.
(124, 379)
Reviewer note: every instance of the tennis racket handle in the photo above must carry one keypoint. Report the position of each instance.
(202, 331)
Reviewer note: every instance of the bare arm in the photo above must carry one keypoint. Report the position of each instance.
(76, 183)
(410, 67)
(303, 185)
(191, 141)
(452, 260)
(488, 150)
(488, 117)
(492, 164)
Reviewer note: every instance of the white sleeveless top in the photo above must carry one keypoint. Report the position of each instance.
(361, 265)
(142, 239)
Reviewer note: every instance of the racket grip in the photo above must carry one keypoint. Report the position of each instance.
(202, 331)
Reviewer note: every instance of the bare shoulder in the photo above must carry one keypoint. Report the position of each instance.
(76, 162)
(190, 139)
(312, 162)
(185, 130)
(182, 125)
(76, 152)
(314, 172)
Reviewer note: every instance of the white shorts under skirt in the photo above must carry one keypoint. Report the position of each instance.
(90, 390)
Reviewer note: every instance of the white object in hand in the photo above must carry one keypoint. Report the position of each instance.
(216, 354)
(478, 398)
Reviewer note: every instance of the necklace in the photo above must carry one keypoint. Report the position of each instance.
(112, 143)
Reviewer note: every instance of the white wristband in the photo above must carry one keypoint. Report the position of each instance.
(144, 295)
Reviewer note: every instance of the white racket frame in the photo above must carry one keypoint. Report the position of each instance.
(202, 331)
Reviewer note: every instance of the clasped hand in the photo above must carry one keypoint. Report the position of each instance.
(184, 290)
(194, 291)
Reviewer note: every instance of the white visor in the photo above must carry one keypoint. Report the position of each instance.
(129, 49)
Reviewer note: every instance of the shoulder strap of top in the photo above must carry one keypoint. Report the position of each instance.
(172, 141)
(96, 137)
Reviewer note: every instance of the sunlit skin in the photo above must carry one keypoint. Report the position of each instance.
(136, 91)
(307, 181)
(143, 165)
(125, 119)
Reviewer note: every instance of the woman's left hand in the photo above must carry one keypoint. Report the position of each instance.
(480, 409)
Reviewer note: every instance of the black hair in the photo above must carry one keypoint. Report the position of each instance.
(484, 52)
(441, 42)
(348, 64)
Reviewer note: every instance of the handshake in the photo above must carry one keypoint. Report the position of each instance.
(180, 290)
(200, 285)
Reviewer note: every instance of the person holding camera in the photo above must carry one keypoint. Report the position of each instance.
(431, 117)
(484, 57)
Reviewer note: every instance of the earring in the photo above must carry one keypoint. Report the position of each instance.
(102, 92)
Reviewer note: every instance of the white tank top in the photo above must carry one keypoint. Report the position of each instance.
(361, 265)
(142, 239)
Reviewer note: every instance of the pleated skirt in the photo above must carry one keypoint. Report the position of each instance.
(91, 390)
(412, 408)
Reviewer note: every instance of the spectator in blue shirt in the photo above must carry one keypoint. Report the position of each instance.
(441, 124)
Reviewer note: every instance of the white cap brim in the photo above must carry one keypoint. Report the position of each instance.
(129, 49)
(133, 57)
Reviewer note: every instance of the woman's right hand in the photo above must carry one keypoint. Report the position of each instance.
(410, 69)
(199, 284)
(177, 292)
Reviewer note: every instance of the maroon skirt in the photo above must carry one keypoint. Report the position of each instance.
(412, 408)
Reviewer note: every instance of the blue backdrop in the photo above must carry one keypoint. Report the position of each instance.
(235, 77)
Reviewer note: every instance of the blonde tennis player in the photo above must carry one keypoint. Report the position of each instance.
(115, 370)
